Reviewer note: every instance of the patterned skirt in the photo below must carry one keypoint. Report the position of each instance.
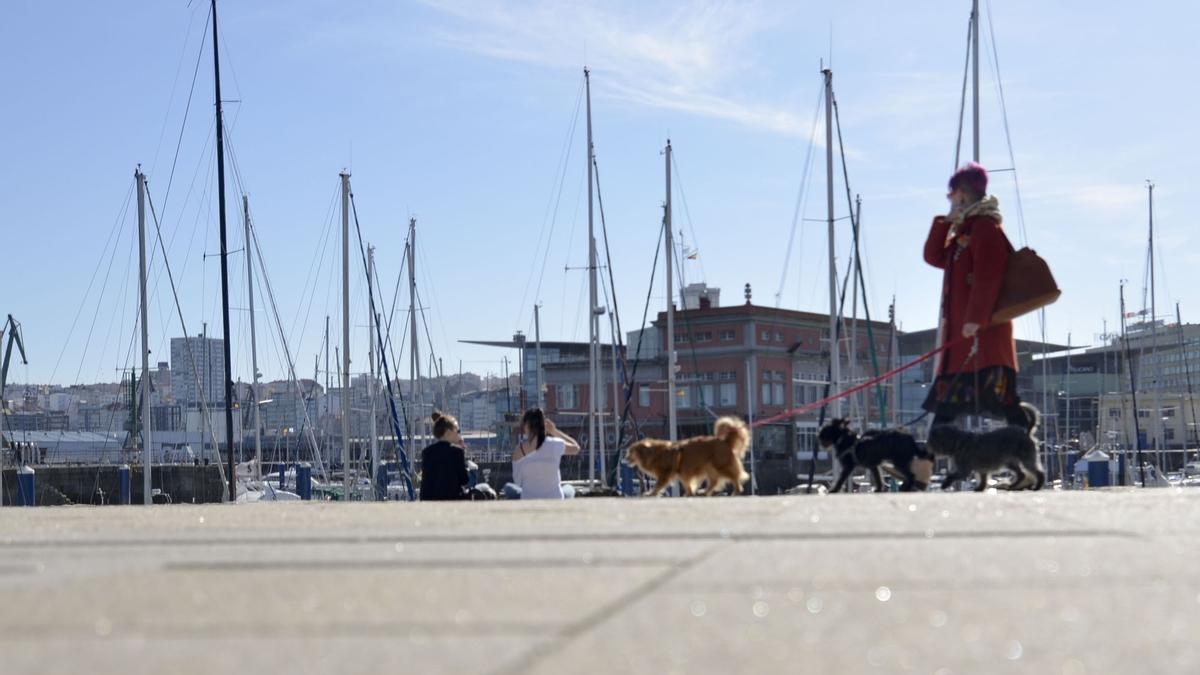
(987, 391)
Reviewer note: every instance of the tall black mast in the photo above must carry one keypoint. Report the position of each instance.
(224, 262)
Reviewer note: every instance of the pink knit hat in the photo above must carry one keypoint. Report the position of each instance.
(972, 177)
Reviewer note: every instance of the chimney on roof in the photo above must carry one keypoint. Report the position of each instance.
(747, 294)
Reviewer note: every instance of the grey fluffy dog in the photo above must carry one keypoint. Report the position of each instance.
(1010, 447)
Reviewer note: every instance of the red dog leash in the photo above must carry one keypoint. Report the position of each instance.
(865, 385)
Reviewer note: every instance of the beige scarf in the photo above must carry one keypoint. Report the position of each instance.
(988, 206)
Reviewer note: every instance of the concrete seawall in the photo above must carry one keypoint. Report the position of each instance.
(92, 484)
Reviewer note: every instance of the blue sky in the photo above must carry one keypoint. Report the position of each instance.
(456, 112)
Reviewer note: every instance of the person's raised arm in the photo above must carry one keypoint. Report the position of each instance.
(936, 251)
(552, 429)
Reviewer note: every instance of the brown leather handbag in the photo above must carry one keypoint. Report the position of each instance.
(1028, 285)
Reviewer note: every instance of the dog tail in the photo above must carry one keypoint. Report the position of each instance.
(734, 432)
(1033, 415)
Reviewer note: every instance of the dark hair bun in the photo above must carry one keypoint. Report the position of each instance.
(442, 423)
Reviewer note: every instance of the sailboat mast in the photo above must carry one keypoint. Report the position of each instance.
(1156, 411)
(373, 388)
(616, 393)
(255, 395)
(1067, 389)
(346, 397)
(224, 259)
(414, 364)
(146, 408)
(593, 301)
(1137, 431)
(327, 371)
(672, 399)
(1187, 373)
(835, 372)
(893, 354)
(975, 77)
(537, 357)
(858, 403)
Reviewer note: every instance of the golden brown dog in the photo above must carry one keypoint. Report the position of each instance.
(715, 459)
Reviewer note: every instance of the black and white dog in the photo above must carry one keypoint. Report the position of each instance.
(1010, 447)
(872, 449)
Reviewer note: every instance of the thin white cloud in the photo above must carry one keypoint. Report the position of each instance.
(689, 59)
(1105, 201)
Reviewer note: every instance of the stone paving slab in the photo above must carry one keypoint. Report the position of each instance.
(1050, 582)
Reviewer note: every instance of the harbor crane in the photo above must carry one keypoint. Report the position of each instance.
(13, 328)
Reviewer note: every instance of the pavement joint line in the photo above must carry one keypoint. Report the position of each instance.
(259, 630)
(1066, 583)
(529, 659)
(931, 534)
(482, 537)
(431, 563)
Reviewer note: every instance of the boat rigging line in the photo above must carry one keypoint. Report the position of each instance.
(205, 412)
(691, 228)
(551, 214)
(995, 61)
(401, 455)
(186, 109)
(113, 233)
(307, 425)
(615, 325)
(962, 104)
(857, 266)
(801, 199)
(627, 410)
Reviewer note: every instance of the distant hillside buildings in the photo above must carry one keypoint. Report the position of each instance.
(744, 359)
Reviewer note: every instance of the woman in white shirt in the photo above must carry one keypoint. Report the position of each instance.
(536, 459)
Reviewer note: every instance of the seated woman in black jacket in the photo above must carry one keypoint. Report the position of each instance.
(444, 464)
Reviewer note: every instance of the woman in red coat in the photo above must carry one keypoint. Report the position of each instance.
(970, 245)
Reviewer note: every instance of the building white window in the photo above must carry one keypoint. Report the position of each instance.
(728, 335)
(680, 338)
(567, 396)
(707, 395)
(766, 336)
(644, 395)
(779, 336)
(704, 336)
(772, 387)
(1114, 412)
(728, 394)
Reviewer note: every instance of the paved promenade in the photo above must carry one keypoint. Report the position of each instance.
(1071, 583)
